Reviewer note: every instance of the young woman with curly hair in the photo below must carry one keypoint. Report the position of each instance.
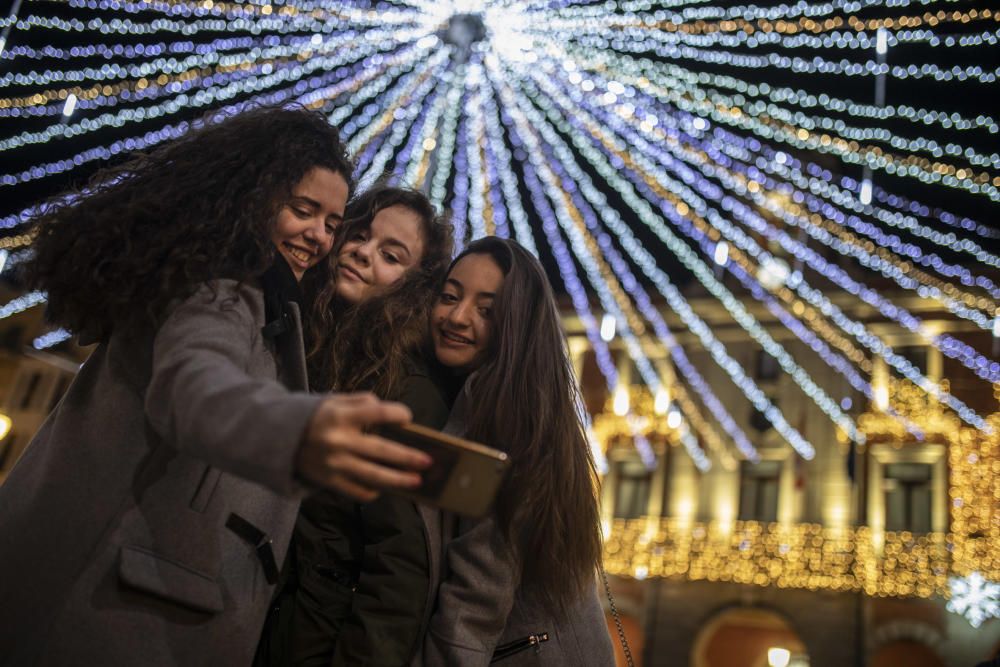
(519, 585)
(358, 580)
(146, 521)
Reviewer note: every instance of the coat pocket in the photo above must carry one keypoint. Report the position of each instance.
(508, 649)
(150, 573)
(206, 488)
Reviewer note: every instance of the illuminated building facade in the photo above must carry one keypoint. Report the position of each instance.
(847, 559)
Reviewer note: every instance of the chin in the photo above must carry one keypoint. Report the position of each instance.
(451, 360)
(349, 296)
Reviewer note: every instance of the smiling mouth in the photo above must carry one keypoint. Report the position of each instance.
(299, 254)
(352, 273)
(456, 338)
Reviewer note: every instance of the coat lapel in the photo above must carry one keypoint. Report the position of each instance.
(293, 354)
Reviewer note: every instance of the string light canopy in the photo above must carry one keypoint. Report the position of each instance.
(795, 162)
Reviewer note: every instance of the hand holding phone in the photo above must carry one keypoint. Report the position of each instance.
(464, 477)
(337, 453)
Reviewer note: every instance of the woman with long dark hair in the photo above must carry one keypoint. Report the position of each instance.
(520, 585)
(146, 521)
(357, 583)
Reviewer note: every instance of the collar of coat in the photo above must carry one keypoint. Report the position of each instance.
(280, 289)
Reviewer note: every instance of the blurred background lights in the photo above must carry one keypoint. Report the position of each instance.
(777, 160)
(608, 327)
(778, 657)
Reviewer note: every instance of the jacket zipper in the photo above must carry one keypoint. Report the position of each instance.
(518, 645)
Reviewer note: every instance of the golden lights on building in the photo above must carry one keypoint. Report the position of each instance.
(863, 557)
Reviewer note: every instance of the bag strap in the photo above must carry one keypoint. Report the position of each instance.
(618, 620)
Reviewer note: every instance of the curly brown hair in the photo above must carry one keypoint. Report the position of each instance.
(149, 231)
(367, 346)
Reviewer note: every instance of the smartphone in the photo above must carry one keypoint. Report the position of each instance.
(464, 477)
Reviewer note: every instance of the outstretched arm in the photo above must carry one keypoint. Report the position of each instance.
(202, 400)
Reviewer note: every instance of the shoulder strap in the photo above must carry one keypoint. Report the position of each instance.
(618, 620)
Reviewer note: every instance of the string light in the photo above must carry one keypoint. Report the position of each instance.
(948, 345)
(638, 293)
(814, 557)
(21, 304)
(739, 312)
(550, 226)
(838, 559)
(577, 243)
(728, 175)
(727, 109)
(69, 107)
(608, 328)
(51, 339)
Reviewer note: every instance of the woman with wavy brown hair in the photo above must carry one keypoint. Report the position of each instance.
(147, 519)
(387, 265)
(357, 583)
(519, 585)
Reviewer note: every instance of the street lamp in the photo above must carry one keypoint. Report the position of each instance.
(5, 424)
(778, 657)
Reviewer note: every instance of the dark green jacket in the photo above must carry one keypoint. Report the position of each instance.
(356, 584)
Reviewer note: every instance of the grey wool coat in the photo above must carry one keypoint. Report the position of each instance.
(477, 604)
(137, 526)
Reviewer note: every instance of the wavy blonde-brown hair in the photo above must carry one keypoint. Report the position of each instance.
(368, 345)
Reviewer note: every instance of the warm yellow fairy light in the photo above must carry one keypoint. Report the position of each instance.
(838, 558)
(881, 392)
(5, 425)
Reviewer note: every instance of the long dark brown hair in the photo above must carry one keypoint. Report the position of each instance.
(367, 345)
(149, 231)
(524, 400)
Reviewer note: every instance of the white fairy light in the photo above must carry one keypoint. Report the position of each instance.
(865, 196)
(881, 41)
(662, 401)
(608, 324)
(621, 401)
(721, 255)
(69, 107)
(674, 417)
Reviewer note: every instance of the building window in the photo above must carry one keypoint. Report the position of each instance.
(768, 367)
(31, 388)
(759, 491)
(908, 495)
(758, 420)
(632, 490)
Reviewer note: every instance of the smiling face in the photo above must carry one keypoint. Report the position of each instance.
(304, 230)
(379, 256)
(461, 321)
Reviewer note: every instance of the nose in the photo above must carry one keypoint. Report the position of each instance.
(459, 315)
(362, 251)
(316, 232)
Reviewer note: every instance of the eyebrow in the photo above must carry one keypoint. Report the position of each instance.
(315, 204)
(391, 240)
(459, 285)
